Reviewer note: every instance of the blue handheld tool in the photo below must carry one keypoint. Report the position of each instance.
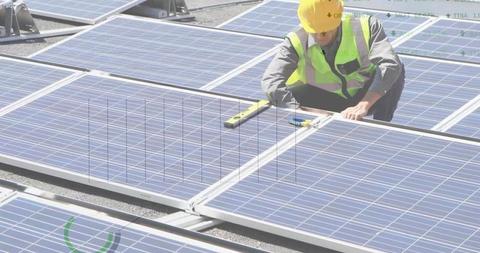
(300, 122)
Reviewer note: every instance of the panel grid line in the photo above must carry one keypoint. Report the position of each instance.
(387, 229)
(331, 172)
(444, 217)
(374, 170)
(383, 203)
(65, 105)
(421, 199)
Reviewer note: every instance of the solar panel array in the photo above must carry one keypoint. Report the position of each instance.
(163, 141)
(354, 184)
(158, 51)
(86, 11)
(434, 90)
(448, 39)
(277, 18)
(469, 126)
(33, 226)
(377, 188)
(21, 78)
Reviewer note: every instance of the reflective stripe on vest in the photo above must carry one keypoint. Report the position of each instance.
(313, 68)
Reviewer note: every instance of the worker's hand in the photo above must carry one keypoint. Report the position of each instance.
(356, 112)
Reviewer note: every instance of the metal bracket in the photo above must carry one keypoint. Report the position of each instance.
(14, 18)
(189, 221)
(45, 34)
(167, 9)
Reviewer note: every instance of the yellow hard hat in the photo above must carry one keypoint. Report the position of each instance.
(318, 16)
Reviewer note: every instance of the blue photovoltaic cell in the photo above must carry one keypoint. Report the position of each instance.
(277, 18)
(247, 83)
(382, 189)
(448, 39)
(434, 90)
(159, 51)
(469, 126)
(186, 146)
(19, 79)
(87, 10)
(30, 226)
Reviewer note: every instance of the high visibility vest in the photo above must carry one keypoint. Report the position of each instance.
(351, 69)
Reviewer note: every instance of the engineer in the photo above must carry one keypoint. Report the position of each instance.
(337, 62)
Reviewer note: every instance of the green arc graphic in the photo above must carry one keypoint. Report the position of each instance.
(66, 237)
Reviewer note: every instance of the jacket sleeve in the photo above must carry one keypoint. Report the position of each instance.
(388, 63)
(277, 73)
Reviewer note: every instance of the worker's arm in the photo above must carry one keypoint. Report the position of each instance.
(388, 70)
(277, 73)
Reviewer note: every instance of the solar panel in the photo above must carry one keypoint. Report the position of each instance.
(359, 187)
(434, 90)
(447, 39)
(86, 11)
(164, 143)
(159, 51)
(246, 84)
(468, 126)
(277, 18)
(31, 224)
(21, 78)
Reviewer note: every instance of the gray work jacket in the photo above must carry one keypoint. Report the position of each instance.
(285, 62)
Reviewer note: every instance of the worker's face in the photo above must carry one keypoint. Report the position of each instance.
(325, 38)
